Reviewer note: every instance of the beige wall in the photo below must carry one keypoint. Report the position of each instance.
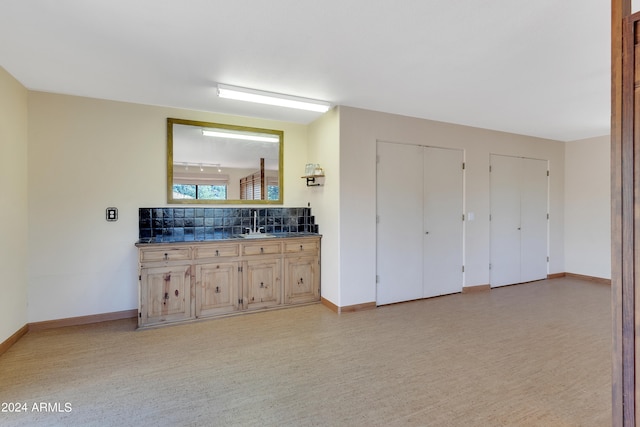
(86, 155)
(359, 131)
(14, 212)
(588, 207)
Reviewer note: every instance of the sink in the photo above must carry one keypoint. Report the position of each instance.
(257, 236)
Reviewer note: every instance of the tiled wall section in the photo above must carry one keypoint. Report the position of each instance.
(186, 224)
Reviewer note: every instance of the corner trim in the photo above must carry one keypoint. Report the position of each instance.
(331, 306)
(6, 344)
(476, 288)
(348, 308)
(556, 275)
(83, 320)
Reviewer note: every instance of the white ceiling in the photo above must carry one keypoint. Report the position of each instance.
(538, 68)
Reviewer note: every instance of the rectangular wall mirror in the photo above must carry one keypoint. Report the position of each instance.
(216, 163)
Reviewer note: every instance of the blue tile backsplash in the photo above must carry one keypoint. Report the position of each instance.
(192, 224)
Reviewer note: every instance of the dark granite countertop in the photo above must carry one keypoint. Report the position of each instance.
(220, 238)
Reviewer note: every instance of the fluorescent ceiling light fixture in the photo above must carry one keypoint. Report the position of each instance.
(245, 137)
(251, 95)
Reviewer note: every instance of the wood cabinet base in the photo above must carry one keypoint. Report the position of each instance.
(185, 282)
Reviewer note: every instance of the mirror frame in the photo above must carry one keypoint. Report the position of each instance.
(171, 200)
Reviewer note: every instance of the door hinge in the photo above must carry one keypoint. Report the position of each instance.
(377, 219)
(463, 165)
(139, 277)
(547, 216)
(489, 217)
(140, 314)
(377, 279)
(239, 269)
(463, 268)
(547, 173)
(377, 158)
(489, 266)
(489, 168)
(547, 259)
(463, 217)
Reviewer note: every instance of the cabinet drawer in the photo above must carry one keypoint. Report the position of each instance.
(301, 246)
(207, 251)
(261, 248)
(165, 254)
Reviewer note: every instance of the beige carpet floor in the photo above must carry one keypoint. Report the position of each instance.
(535, 354)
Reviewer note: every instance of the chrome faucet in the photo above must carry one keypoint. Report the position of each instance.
(255, 229)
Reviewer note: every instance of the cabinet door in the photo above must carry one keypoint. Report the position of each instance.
(302, 282)
(165, 294)
(216, 288)
(261, 285)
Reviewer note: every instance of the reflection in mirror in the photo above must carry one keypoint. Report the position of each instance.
(218, 163)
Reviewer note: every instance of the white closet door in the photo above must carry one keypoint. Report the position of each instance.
(533, 220)
(442, 221)
(399, 231)
(505, 220)
(518, 220)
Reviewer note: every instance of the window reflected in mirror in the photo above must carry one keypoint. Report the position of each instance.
(219, 163)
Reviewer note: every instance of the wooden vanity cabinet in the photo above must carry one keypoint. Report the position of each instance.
(302, 271)
(185, 281)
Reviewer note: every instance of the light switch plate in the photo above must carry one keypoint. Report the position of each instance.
(112, 214)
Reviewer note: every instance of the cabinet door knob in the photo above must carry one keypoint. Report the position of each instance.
(300, 247)
(217, 289)
(217, 253)
(301, 282)
(262, 284)
(166, 256)
(261, 250)
(177, 293)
